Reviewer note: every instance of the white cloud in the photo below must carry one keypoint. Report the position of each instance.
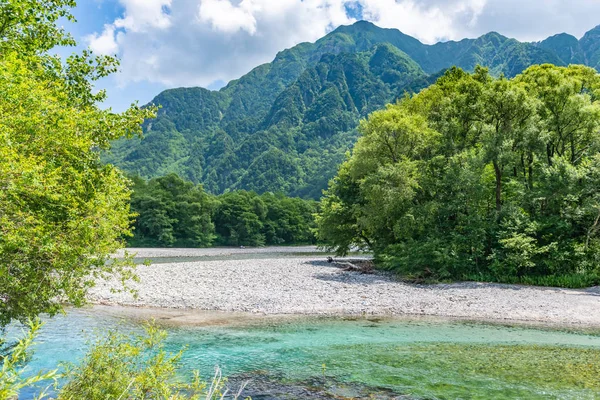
(197, 42)
(429, 21)
(104, 43)
(143, 15)
(534, 20)
(225, 17)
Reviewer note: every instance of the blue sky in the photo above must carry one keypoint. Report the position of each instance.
(173, 43)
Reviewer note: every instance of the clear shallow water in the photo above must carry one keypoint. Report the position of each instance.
(426, 359)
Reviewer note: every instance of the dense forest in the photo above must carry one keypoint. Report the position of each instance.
(286, 125)
(478, 178)
(172, 212)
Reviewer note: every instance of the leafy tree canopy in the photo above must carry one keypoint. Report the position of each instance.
(173, 212)
(478, 177)
(62, 212)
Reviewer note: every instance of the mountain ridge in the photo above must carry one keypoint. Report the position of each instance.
(286, 125)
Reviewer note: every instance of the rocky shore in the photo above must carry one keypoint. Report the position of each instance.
(308, 284)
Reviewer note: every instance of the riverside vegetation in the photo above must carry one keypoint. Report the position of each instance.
(476, 177)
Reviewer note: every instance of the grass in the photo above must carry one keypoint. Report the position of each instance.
(572, 281)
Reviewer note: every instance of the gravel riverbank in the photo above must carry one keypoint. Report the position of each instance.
(309, 285)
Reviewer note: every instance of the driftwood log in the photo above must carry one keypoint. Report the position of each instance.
(362, 266)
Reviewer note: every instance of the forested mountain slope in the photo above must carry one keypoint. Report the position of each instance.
(286, 125)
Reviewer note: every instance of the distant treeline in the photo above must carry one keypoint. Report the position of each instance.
(174, 212)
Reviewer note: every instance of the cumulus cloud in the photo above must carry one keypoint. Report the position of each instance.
(535, 20)
(144, 15)
(199, 42)
(429, 21)
(104, 43)
(225, 17)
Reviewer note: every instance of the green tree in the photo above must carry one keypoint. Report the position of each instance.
(30, 26)
(135, 367)
(478, 178)
(62, 213)
(171, 212)
(12, 373)
(288, 220)
(239, 219)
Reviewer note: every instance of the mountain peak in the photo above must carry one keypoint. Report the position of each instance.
(358, 26)
(363, 24)
(565, 46)
(562, 35)
(493, 35)
(590, 43)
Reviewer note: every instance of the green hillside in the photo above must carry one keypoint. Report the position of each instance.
(286, 126)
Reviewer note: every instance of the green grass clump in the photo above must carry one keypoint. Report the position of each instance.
(571, 281)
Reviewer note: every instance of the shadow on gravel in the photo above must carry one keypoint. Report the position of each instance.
(349, 277)
(595, 291)
(352, 278)
(379, 276)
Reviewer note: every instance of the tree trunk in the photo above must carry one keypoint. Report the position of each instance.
(550, 153)
(530, 160)
(498, 186)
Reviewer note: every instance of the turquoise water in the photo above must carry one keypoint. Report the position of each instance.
(432, 359)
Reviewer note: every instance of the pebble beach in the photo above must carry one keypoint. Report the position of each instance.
(277, 281)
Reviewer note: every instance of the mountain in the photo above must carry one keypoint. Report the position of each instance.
(286, 125)
(566, 47)
(590, 44)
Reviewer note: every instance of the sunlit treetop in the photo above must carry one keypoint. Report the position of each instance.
(62, 212)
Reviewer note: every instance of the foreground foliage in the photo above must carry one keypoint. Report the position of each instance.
(117, 366)
(479, 178)
(136, 367)
(62, 213)
(14, 375)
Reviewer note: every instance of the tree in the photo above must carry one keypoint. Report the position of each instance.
(478, 177)
(239, 219)
(568, 108)
(288, 220)
(506, 122)
(171, 211)
(30, 26)
(62, 213)
(136, 367)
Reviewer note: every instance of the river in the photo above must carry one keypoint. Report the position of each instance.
(311, 357)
